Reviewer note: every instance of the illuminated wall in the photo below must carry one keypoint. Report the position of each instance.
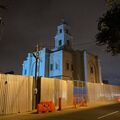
(29, 64)
(56, 64)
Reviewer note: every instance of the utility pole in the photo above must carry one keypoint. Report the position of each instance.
(36, 56)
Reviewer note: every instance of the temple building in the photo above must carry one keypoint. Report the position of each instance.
(63, 61)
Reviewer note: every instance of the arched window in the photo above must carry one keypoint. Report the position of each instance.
(51, 67)
(60, 42)
(60, 30)
(66, 31)
(91, 70)
(68, 42)
(25, 72)
(67, 66)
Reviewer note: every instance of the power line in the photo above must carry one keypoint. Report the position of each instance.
(85, 43)
(75, 44)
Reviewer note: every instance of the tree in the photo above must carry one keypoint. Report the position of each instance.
(1, 19)
(110, 3)
(2, 7)
(109, 30)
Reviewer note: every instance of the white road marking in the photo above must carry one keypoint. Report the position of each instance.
(107, 115)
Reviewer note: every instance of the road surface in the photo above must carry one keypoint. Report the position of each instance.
(108, 112)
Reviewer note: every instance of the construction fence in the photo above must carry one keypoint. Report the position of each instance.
(95, 92)
(17, 92)
(102, 92)
(52, 89)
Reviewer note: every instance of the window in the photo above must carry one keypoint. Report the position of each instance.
(60, 31)
(60, 42)
(67, 66)
(68, 42)
(91, 70)
(72, 67)
(75, 83)
(25, 72)
(66, 30)
(51, 67)
(56, 66)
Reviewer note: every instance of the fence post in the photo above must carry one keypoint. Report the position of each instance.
(74, 102)
(60, 105)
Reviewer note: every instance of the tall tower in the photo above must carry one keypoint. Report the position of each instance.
(63, 36)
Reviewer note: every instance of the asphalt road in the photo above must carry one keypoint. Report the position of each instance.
(108, 112)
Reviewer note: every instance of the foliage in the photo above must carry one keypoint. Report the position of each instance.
(110, 3)
(109, 30)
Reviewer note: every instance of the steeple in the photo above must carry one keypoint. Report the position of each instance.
(62, 22)
(63, 36)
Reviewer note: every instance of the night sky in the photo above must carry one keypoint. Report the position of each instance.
(30, 21)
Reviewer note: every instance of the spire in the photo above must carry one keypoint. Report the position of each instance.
(63, 22)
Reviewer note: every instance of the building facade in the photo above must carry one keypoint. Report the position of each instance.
(62, 61)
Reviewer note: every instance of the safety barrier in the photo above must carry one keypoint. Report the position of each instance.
(47, 106)
(80, 102)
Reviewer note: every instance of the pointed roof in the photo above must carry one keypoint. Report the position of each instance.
(63, 22)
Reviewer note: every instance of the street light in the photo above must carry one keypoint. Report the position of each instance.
(36, 56)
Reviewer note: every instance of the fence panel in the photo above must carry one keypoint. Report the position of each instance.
(52, 89)
(15, 93)
(102, 92)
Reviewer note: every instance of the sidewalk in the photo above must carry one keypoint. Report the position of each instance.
(33, 114)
